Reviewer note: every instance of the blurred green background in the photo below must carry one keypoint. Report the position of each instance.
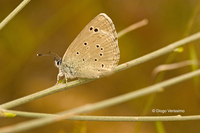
(51, 25)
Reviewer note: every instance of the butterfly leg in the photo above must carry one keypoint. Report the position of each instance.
(60, 76)
(66, 77)
(79, 80)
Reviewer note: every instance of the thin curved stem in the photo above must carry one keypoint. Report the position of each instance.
(14, 13)
(132, 27)
(99, 105)
(111, 118)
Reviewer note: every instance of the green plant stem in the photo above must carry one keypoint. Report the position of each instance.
(14, 13)
(111, 118)
(158, 53)
(99, 105)
(132, 27)
(48, 91)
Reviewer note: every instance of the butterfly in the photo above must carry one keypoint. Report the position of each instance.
(93, 53)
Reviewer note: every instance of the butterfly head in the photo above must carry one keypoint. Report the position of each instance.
(58, 61)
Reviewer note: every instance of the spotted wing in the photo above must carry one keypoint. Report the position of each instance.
(95, 50)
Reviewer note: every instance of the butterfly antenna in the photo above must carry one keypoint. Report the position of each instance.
(50, 54)
(55, 55)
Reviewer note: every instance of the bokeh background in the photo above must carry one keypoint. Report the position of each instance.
(51, 25)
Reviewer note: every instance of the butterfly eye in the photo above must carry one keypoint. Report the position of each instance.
(102, 49)
(77, 53)
(101, 54)
(57, 62)
(95, 59)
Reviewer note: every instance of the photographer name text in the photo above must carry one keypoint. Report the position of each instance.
(163, 111)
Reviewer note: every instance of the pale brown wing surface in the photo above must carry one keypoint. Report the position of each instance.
(95, 50)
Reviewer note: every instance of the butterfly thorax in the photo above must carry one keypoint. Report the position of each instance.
(64, 70)
(68, 71)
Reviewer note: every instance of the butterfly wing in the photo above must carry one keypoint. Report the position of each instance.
(95, 50)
